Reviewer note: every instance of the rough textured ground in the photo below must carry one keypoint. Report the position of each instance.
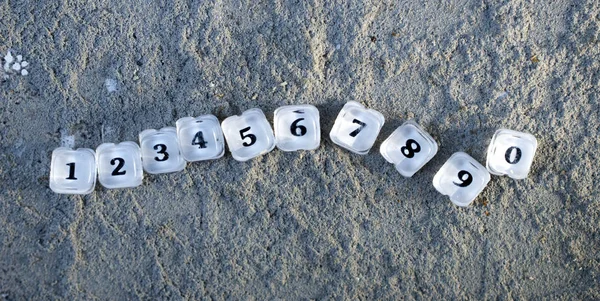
(303, 225)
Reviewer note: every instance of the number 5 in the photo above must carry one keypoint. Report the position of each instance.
(251, 136)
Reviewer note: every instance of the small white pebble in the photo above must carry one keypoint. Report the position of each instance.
(24, 64)
(338, 46)
(9, 58)
(110, 84)
(19, 58)
(16, 66)
(211, 85)
(24, 72)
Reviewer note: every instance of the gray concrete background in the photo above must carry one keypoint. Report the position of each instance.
(324, 224)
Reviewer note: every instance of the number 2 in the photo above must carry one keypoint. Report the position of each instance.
(71, 171)
(362, 125)
(118, 171)
(466, 181)
(251, 136)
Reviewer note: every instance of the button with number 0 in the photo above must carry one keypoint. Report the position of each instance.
(356, 128)
(73, 171)
(462, 178)
(200, 138)
(160, 151)
(248, 135)
(119, 165)
(511, 153)
(409, 148)
(297, 127)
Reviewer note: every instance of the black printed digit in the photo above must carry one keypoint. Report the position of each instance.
(298, 130)
(199, 140)
(71, 171)
(361, 126)
(252, 137)
(411, 148)
(508, 156)
(162, 149)
(465, 177)
(120, 164)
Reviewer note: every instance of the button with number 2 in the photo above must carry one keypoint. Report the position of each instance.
(249, 135)
(356, 128)
(160, 151)
(119, 165)
(73, 171)
(462, 178)
(297, 127)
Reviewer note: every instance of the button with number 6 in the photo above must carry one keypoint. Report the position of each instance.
(200, 138)
(511, 153)
(248, 135)
(409, 148)
(160, 151)
(73, 171)
(356, 128)
(462, 178)
(119, 165)
(297, 127)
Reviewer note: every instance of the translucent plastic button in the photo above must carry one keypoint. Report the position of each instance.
(119, 165)
(200, 138)
(511, 153)
(297, 127)
(160, 151)
(356, 128)
(462, 178)
(73, 171)
(248, 135)
(409, 148)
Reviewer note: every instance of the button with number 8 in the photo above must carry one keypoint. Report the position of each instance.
(297, 127)
(200, 138)
(462, 178)
(119, 165)
(73, 171)
(511, 153)
(356, 128)
(248, 135)
(160, 151)
(409, 148)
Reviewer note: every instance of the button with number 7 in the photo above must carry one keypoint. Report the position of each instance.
(248, 135)
(73, 171)
(356, 128)
(461, 178)
(297, 127)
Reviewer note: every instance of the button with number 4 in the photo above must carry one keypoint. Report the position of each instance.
(248, 135)
(160, 151)
(462, 178)
(200, 138)
(119, 165)
(511, 153)
(409, 148)
(297, 127)
(73, 171)
(356, 128)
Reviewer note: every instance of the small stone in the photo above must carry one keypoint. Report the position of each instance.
(16, 66)
(24, 64)
(19, 58)
(9, 58)
(24, 72)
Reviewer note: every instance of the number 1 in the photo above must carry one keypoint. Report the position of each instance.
(71, 171)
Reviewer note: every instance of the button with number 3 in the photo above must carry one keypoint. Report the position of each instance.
(409, 148)
(73, 171)
(160, 151)
(511, 153)
(200, 138)
(249, 135)
(356, 128)
(119, 165)
(297, 127)
(462, 178)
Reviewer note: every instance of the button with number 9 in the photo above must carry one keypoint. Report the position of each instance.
(356, 128)
(297, 127)
(511, 153)
(248, 135)
(462, 178)
(73, 171)
(119, 165)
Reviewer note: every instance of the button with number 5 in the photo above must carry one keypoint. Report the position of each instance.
(511, 153)
(462, 178)
(200, 138)
(119, 165)
(160, 151)
(73, 171)
(409, 148)
(356, 128)
(248, 135)
(297, 127)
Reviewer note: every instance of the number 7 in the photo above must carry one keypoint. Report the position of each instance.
(362, 125)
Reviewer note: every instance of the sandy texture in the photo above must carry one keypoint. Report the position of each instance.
(324, 224)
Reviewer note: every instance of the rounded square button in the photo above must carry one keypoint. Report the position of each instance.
(119, 165)
(160, 151)
(462, 178)
(297, 127)
(200, 138)
(356, 128)
(73, 171)
(511, 153)
(409, 148)
(248, 135)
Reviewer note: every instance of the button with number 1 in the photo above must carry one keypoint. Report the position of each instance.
(119, 165)
(297, 127)
(461, 178)
(356, 128)
(73, 171)
(249, 135)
